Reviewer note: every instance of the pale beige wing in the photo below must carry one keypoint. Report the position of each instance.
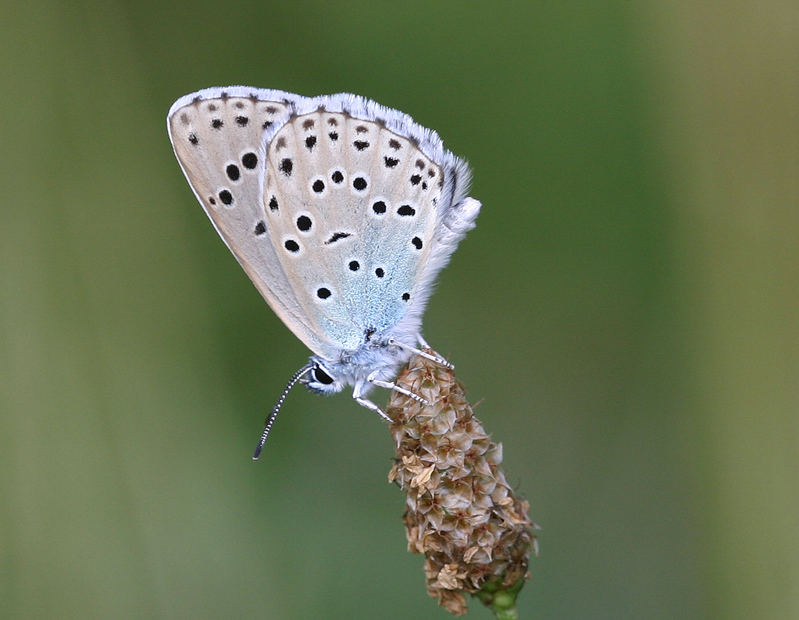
(217, 136)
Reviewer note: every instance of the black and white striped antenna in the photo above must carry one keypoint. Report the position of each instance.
(270, 419)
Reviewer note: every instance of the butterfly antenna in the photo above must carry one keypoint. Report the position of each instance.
(270, 420)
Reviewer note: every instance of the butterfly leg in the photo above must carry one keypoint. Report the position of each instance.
(433, 358)
(390, 385)
(357, 394)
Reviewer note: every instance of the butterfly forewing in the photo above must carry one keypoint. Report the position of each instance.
(217, 137)
(352, 215)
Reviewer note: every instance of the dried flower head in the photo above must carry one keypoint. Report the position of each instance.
(460, 511)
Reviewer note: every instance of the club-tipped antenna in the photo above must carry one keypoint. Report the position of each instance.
(270, 420)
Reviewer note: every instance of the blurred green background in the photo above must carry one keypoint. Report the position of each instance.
(626, 309)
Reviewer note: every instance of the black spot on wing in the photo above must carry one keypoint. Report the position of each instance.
(336, 237)
(304, 223)
(249, 160)
(226, 197)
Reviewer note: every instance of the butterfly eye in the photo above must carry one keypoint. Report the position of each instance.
(320, 376)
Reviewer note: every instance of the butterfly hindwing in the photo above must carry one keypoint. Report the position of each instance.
(360, 219)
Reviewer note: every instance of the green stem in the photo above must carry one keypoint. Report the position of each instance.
(502, 601)
(503, 604)
(506, 614)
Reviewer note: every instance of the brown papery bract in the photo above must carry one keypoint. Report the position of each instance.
(460, 512)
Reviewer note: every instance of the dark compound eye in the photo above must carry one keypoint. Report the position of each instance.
(320, 376)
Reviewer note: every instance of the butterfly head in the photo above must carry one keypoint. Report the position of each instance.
(320, 379)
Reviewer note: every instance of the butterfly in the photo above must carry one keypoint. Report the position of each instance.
(340, 210)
